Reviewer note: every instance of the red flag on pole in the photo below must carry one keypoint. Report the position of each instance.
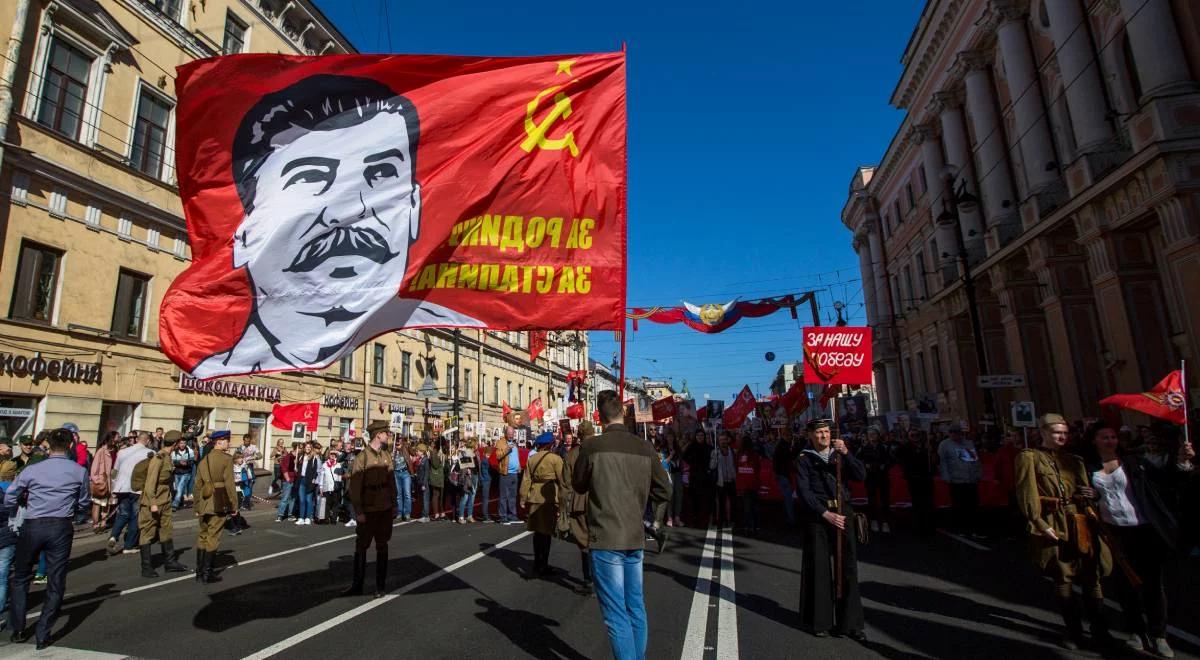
(827, 394)
(537, 344)
(332, 199)
(740, 409)
(283, 417)
(1166, 400)
(535, 409)
(795, 400)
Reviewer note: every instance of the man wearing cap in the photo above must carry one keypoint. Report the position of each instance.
(541, 490)
(216, 500)
(958, 461)
(54, 491)
(823, 518)
(373, 492)
(155, 514)
(1052, 489)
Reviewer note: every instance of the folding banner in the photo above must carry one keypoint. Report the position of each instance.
(664, 408)
(1167, 400)
(284, 416)
(333, 199)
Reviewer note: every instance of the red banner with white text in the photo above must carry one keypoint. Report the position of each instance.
(837, 355)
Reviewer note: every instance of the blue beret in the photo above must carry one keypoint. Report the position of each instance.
(545, 438)
(217, 435)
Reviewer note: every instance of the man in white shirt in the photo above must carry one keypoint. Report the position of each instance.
(127, 498)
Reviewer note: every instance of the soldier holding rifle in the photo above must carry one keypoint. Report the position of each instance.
(829, 598)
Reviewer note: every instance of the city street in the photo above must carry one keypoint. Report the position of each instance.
(458, 590)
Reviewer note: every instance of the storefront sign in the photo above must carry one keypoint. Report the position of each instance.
(16, 412)
(228, 388)
(37, 368)
(339, 401)
(397, 408)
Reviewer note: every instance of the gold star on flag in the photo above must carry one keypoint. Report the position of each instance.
(565, 67)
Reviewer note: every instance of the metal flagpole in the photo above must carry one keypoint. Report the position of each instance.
(1187, 431)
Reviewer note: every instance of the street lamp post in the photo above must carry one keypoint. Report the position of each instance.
(960, 197)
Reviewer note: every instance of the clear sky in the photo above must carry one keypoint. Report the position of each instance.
(746, 123)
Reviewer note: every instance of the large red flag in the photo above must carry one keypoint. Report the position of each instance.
(535, 409)
(282, 417)
(1167, 400)
(741, 408)
(333, 199)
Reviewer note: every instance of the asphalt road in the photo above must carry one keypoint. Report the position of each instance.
(459, 591)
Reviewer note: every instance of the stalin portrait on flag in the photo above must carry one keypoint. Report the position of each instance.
(333, 199)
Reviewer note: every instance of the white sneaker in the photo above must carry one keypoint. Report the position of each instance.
(887, 529)
(423, 519)
(352, 523)
(300, 522)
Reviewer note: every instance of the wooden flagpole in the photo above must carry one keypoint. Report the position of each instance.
(1187, 431)
(839, 554)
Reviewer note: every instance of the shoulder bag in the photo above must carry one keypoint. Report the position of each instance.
(220, 498)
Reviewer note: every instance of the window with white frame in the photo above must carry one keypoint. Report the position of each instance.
(169, 8)
(64, 88)
(148, 147)
(129, 310)
(234, 41)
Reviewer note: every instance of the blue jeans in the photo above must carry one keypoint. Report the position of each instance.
(466, 502)
(285, 499)
(508, 497)
(126, 519)
(183, 484)
(485, 492)
(618, 577)
(6, 561)
(403, 493)
(51, 536)
(789, 501)
(306, 501)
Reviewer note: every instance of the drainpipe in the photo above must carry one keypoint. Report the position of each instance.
(12, 53)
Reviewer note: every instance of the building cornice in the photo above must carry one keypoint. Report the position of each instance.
(936, 25)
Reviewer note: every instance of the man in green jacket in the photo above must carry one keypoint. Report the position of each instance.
(619, 472)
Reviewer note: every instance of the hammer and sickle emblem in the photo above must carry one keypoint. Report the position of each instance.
(537, 132)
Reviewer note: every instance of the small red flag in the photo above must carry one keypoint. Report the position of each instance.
(828, 393)
(795, 400)
(506, 409)
(283, 417)
(535, 409)
(741, 408)
(1167, 400)
(575, 411)
(537, 344)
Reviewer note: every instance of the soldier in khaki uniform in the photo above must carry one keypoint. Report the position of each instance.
(155, 513)
(1051, 488)
(216, 500)
(373, 493)
(578, 508)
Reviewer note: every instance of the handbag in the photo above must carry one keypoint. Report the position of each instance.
(99, 488)
(562, 526)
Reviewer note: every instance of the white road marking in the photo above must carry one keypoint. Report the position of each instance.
(727, 629)
(964, 540)
(693, 640)
(191, 574)
(336, 621)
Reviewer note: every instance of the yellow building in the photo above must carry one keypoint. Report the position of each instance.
(92, 234)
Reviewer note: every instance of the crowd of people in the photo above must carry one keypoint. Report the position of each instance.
(1103, 508)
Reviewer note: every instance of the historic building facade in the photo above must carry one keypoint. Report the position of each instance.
(1072, 130)
(92, 233)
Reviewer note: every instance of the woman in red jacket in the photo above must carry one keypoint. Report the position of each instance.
(748, 483)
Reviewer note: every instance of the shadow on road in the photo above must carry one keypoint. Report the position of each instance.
(530, 631)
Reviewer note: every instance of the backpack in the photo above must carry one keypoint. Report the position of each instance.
(137, 480)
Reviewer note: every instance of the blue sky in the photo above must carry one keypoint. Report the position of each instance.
(746, 122)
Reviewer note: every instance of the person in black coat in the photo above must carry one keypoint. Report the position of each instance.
(1127, 490)
(822, 518)
(917, 465)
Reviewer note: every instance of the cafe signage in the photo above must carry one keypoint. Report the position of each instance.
(339, 401)
(37, 367)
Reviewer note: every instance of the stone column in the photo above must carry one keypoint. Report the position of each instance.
(994, 180)
(1025, 91)
(867, 268)
(1119, 354)
(883, 308)
(948, 106)
(895, 396)
(1077, 62)
(933, 163)
(1180, 220)
(1157, 50)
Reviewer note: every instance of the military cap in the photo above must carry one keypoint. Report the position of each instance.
(815, 424)
(1050, 419)
(376, 427)
(25, 439)
(217, 435)
(172, 436)
(544, 439)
